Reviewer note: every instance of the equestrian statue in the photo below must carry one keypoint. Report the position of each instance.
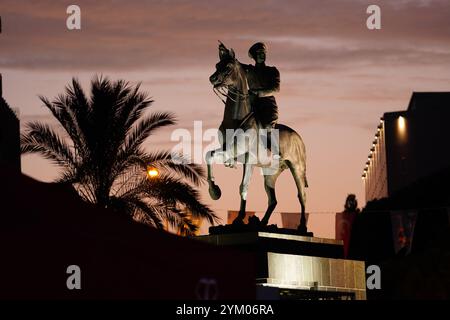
(250, 133)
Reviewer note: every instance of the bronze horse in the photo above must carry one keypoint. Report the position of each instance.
(238, 118)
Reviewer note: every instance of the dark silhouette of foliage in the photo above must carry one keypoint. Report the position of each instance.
(102, 156)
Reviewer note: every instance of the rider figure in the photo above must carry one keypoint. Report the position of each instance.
(263, 82)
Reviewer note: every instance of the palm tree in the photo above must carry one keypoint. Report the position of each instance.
(101, 155)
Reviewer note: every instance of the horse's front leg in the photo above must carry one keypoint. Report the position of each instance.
(246, 177)
(211, 156)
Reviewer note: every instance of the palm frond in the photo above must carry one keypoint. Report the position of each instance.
(40, 138)
(166, 189)
(60, 110)
(141, 210)
(145, 128)
(163, 161)
(178, 219)
(186, 226)
(132, 107)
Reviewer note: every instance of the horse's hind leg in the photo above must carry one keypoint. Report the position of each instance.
(300, 181)
(246, 176)
(269, 186)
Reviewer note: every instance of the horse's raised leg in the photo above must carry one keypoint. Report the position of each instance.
(246, 176)
(300, 181)
(269, 186)
(214, 190)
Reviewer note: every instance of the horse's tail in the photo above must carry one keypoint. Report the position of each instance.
(302, 151)
(305, 181)
(293, 142)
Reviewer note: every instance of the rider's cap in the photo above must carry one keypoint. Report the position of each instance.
(256, 47)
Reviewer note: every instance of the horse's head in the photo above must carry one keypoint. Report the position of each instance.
(231, 77)
(226, 69)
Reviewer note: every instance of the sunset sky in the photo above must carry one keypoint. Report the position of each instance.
(337, 77)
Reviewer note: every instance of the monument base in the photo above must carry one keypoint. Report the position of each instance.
(290, 266)
(240, 228)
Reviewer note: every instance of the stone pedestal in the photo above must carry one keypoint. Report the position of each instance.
(290, 266)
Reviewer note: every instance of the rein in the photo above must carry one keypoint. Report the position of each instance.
(220, 92)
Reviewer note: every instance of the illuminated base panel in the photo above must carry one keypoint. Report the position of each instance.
(290, 266)
(305, 277)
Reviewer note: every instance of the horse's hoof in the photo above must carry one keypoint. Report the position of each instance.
(254, 221)
(302, 229)
(214, 191)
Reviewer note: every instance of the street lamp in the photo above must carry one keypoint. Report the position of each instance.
(401, 124)
(152, 172)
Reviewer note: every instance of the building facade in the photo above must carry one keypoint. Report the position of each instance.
(9, 136)
(409, 145)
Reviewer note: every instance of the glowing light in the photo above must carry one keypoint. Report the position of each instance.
(401, 124)
(152, 172)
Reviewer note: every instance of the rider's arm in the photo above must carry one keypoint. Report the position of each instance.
(246, 67)
(273, 87)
